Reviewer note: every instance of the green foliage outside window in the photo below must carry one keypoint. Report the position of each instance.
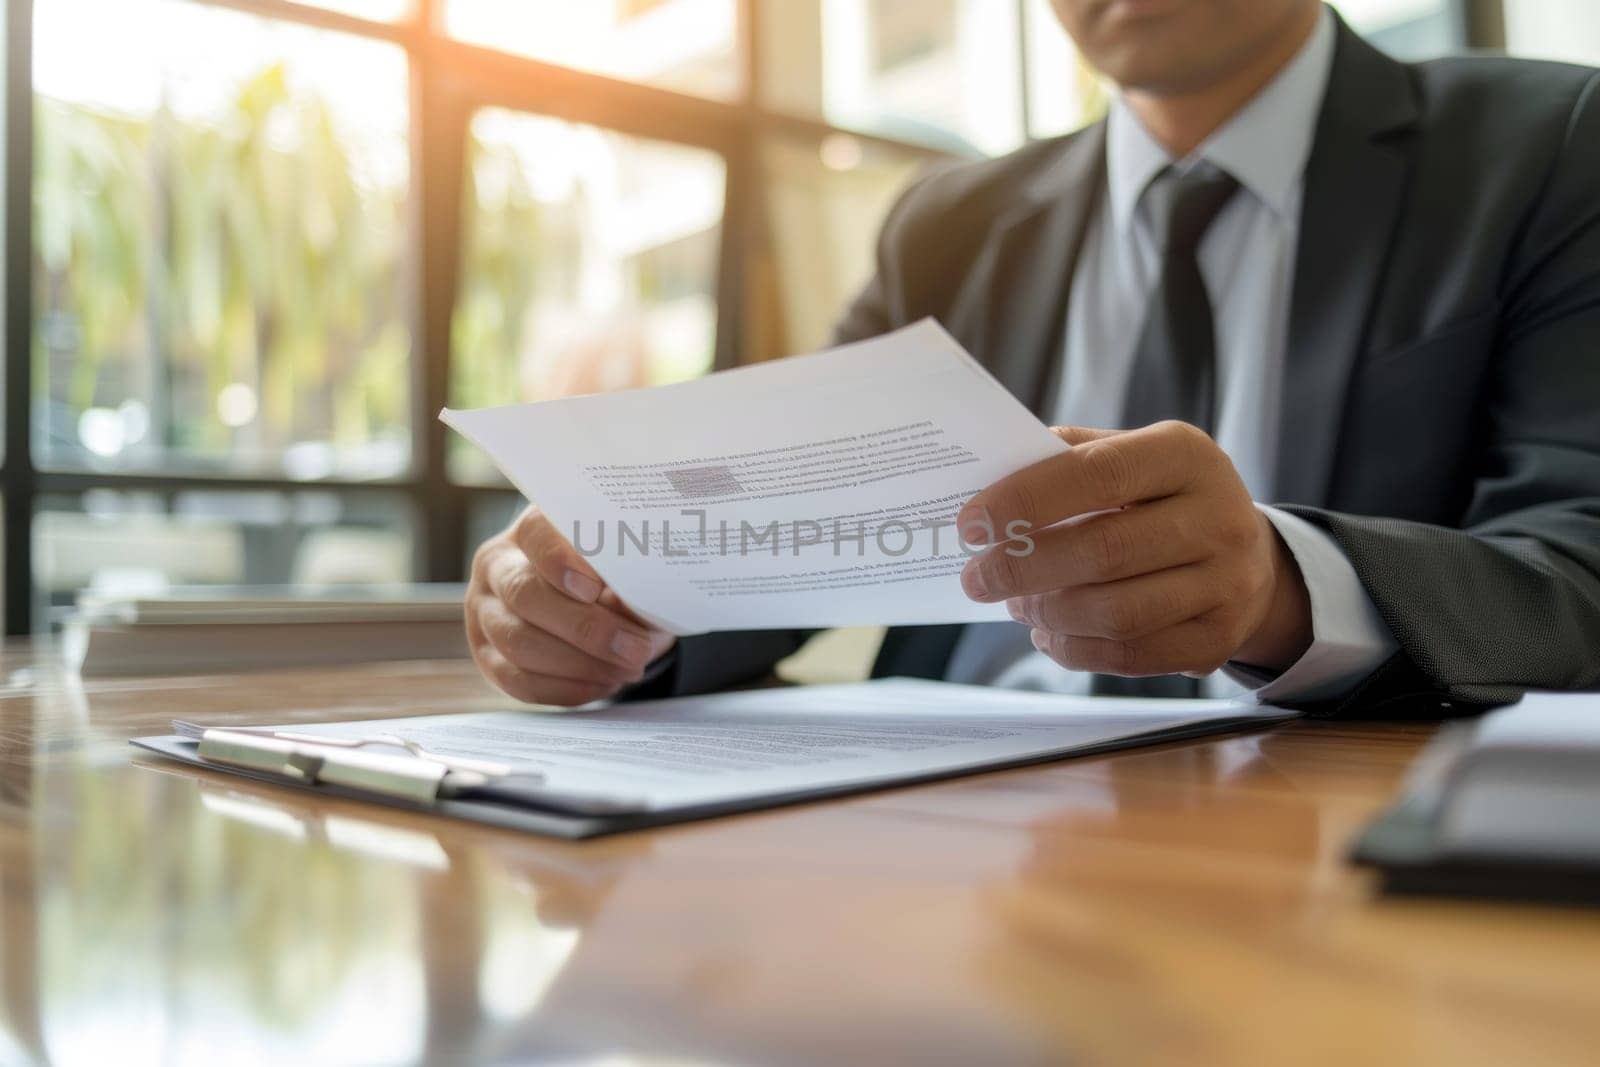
(229, 287)
(498, 280)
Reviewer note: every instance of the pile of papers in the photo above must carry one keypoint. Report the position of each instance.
(188, 631)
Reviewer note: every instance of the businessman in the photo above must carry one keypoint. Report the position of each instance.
(1324, 331)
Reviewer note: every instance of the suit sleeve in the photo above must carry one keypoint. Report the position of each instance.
(708, 662)
(1349, 638)
(1511, 600)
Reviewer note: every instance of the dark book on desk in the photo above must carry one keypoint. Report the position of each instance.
(187, 631)
(1506, 807)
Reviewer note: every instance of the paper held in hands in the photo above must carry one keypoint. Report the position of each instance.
(813, 491)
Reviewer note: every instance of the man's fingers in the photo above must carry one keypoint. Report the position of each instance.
(544, 628)
(504, 676)
(534, 651)
(1101, 474)
(537, 689)
(1195, 646)
(609, 599)
(554, 557)
(475, 639)
(599, 631)
(1125, 610)
(1082, 435)
(1102, 548)
(660, 640)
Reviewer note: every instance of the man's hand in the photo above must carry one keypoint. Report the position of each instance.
(543, 626)
(1148, 557)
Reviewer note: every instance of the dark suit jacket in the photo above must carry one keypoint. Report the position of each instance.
(1441, 416)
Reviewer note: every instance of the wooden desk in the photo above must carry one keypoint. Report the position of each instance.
(1183, 904)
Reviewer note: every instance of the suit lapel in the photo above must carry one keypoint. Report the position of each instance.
(1354, 184)
(1013, 316)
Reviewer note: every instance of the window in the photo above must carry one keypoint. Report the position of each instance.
(824, 199)
(141, 540)
(940, 72)
(271, 238)
(590, 265)
(219, 239)
(490, 513)
(1064, 92)
(1567, 30)
(377, 10)
(1409, 29)
(685, 45)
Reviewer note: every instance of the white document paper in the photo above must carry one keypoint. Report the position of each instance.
(812, 491)
(733, 748)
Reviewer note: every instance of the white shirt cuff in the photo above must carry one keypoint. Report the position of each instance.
(1349, 638)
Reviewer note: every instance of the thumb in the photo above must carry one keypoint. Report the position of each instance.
(1082, 435)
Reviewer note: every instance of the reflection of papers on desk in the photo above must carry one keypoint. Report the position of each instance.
(813, 491)
(662, 761)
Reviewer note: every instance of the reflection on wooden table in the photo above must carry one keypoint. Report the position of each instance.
(1187, 904)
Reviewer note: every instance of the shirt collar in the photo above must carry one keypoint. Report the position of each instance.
(1265, 145)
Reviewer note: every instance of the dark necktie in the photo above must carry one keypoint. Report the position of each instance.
(1174, 365)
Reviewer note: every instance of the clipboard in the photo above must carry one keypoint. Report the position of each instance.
(506, 812)
(513, 798)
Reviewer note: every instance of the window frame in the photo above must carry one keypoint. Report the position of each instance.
(449, 81)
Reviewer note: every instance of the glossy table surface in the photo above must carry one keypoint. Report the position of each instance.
(1187, 903)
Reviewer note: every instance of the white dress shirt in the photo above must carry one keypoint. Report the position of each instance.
(1247, 260)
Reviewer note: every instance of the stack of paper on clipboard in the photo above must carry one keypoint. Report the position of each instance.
(603, 770)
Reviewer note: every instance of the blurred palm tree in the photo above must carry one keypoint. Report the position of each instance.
(176, 259)
(499, 277)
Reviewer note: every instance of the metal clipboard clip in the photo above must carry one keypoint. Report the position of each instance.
(408, 777)
(422, 777)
